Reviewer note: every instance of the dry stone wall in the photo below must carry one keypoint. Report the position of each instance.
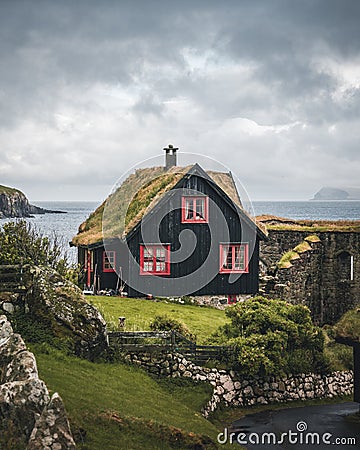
(231, 389)
(38, 421)
(325, 278)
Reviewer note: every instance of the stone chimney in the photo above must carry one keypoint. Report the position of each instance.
(170, 156)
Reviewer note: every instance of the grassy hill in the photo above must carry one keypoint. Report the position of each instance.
(118, 406)
(201, 321)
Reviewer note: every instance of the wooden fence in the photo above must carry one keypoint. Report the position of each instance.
(12, 278)
(172, 341)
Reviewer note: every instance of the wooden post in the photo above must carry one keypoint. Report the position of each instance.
(121, 323)
(357, 372)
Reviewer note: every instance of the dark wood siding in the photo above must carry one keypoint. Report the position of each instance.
(163, 225)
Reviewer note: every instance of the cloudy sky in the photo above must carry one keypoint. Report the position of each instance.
(270, 88)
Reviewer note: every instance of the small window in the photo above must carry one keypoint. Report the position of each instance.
(232, 299)
(154, 259)
(234, 258)
(195, 209)
(109, 261)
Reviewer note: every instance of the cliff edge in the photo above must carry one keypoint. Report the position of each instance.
(13, 203)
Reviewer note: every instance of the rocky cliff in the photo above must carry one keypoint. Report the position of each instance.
(13, 203)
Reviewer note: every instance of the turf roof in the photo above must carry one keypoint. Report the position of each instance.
(312, 226)
(138, 194)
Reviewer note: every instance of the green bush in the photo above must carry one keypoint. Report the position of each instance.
(272, 337)
(167, 323)
(22, 243)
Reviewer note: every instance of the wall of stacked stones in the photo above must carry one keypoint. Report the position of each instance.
(231, 389)
(314, 278)
(38, 421)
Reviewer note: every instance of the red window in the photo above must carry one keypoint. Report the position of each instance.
(195, 209)
(154, 259)
(109, 261)
(234, 258)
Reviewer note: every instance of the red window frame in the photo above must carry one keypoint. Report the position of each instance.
(185, 209)
(154, 259)
(89, 265)
(232, 299)
(109, 261)
(229, 253)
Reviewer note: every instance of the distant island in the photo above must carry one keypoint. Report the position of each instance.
(13, 203)
(333, 193)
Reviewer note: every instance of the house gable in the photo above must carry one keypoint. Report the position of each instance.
(195, 247)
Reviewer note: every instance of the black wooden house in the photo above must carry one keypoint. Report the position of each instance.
(185, 233)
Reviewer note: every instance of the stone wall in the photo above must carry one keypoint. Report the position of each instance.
(320, 278)
(231, 389)
(38, 421)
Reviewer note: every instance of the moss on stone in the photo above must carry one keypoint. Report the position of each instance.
(312, 238)
(303, 247)
(310, 226)
(285, 261)
(348, 327)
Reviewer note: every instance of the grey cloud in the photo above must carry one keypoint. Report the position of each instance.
(54, 54)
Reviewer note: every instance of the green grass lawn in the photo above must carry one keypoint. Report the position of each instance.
(201, 321)
(121, 407)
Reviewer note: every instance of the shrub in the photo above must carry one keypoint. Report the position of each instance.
(22, 243)
(272, 337)
(167, 323)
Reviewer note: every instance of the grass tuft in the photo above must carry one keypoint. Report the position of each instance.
(285, 261)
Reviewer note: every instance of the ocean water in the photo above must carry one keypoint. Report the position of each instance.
(311, 210)
(65, 226)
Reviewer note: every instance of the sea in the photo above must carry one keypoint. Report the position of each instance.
(66, 225)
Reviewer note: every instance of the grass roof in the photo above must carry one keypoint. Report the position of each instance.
(137, 195)
(348, 327)
(312, 226)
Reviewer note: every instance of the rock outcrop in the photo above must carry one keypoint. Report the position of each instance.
(58, 311)
(13, 203)
(334, 193)
(35, 420)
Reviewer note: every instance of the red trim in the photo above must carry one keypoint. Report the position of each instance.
(109, 259)
(246, 257)
(232, 299)
(194, 218)
(88, 267)
(152, 261)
